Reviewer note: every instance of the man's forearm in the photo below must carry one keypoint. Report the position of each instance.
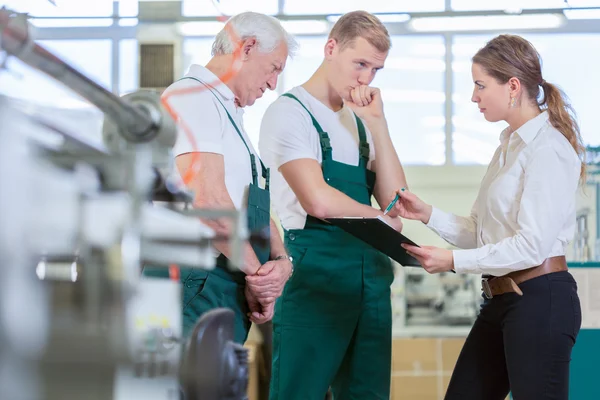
(224, 227)
(390, 174)
(277, 247)
(333, 203)
(250, 263)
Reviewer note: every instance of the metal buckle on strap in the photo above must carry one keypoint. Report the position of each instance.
(365, 150)
(485, 286)
(325, 141)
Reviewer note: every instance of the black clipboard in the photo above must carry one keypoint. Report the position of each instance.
(379, 235)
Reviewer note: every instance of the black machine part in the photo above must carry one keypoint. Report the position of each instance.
(214, 367)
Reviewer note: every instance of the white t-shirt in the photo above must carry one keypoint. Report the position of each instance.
(287, 134)
(212, 130)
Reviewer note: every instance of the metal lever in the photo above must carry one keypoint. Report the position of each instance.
(138, 125)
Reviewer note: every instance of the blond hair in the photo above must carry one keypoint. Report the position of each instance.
(361, 24)
(508, 56)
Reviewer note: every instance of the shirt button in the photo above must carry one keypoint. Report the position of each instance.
(292, 236)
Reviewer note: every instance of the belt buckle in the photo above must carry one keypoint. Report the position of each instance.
(485, 286)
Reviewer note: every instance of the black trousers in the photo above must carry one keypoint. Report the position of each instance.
(521, 344)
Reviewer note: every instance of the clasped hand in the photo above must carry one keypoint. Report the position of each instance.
(366, 102)
(264, 287)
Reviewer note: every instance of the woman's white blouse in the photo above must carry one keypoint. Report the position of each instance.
(525, 209)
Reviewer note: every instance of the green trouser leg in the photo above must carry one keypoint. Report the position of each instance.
(332, 326)
(206, 290)
(365, 372)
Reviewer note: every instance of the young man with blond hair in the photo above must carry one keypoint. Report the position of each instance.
(325, 141)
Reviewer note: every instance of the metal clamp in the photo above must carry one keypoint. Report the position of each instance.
(485, 286)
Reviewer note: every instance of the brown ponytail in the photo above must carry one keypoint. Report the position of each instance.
(508, 56)
(563, 118)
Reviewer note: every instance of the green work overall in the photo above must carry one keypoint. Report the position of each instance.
(221, 287)
(332, 325)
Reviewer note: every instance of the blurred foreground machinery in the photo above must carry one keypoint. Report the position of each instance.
(77, 321)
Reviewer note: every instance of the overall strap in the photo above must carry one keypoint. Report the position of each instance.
(364, 148)
(265, 171)
(323, 136)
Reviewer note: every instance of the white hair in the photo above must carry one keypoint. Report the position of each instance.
(266, 29)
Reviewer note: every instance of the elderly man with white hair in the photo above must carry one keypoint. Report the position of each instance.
(225, 171)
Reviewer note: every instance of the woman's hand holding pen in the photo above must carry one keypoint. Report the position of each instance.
(432, 259)
(409, 206)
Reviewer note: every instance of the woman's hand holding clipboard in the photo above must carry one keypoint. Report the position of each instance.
(432, 259)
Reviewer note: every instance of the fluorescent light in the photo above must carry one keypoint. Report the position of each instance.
(583, 14)
(486, 23)
(209, 28)
(306, 26)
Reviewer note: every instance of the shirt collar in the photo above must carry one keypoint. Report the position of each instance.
(206, 76)
(529, 130)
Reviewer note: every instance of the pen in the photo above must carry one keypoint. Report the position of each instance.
(389, 207)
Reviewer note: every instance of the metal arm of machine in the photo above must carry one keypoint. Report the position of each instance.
(138, 124)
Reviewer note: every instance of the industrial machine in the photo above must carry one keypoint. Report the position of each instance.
(77, 224)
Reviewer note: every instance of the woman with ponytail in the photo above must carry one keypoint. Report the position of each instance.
(516, 235)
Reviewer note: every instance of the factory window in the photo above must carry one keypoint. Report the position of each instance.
(414, 98)
(253, 115)
(574, 76)
(307, 59)
(209, 8)
(128, 66)
(196, 51)
(91, 57)
(307, 7)
(475, 139)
